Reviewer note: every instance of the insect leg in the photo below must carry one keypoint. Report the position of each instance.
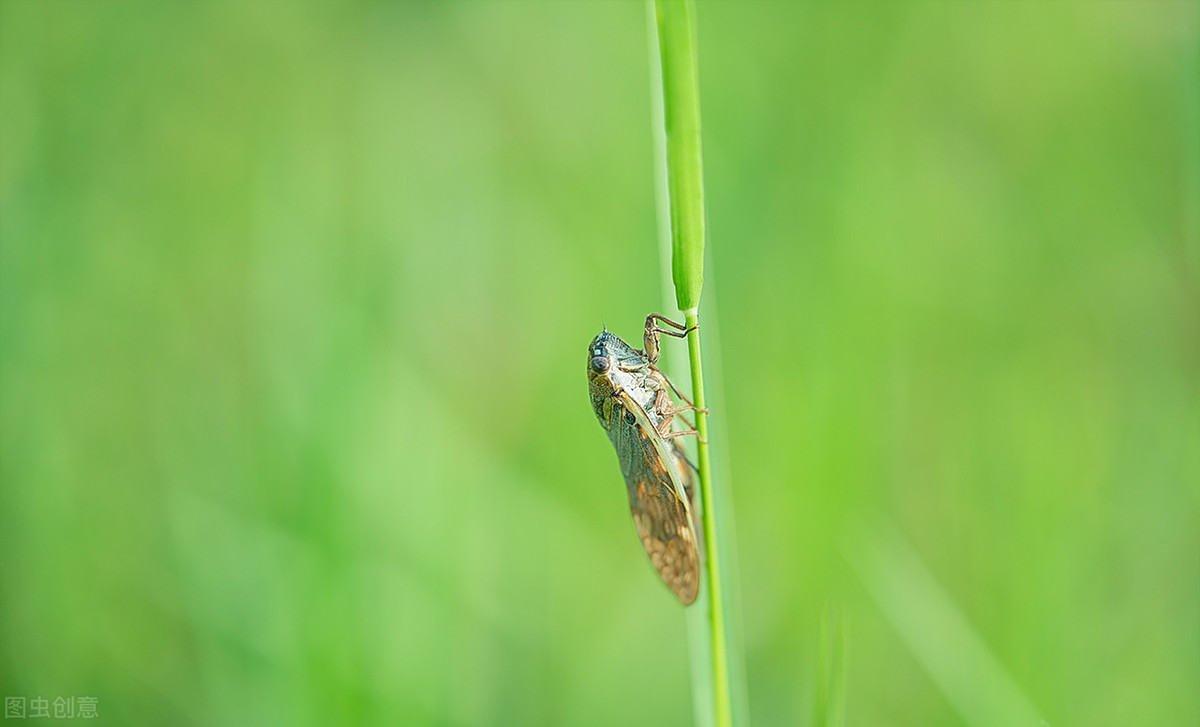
(653, 332)
(663, 406)
(693, 432)
(669, 414)
(679, 393)
(677, 326)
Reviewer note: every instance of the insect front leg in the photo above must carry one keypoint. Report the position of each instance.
(653, 332)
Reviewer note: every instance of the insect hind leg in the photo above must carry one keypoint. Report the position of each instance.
(685, 433)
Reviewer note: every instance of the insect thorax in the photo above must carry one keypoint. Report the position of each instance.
(629, 372)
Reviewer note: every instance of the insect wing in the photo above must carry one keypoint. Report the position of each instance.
(687, 475)
(657, 498)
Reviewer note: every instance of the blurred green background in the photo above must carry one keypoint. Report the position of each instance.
(294, 304)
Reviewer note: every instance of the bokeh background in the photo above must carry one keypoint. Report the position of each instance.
(294, 302)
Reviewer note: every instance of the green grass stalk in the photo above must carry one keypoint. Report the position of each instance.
(674, 21)
(722, 707)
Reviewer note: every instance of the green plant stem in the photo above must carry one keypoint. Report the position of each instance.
(722, 708)
(683, 180)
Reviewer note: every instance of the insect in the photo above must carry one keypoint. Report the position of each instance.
(630, 397)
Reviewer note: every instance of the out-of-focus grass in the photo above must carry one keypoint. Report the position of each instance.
(293, 304)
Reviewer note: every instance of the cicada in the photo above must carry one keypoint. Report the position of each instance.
(630, 397)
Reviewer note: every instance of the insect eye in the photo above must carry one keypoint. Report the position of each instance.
(600, 364)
